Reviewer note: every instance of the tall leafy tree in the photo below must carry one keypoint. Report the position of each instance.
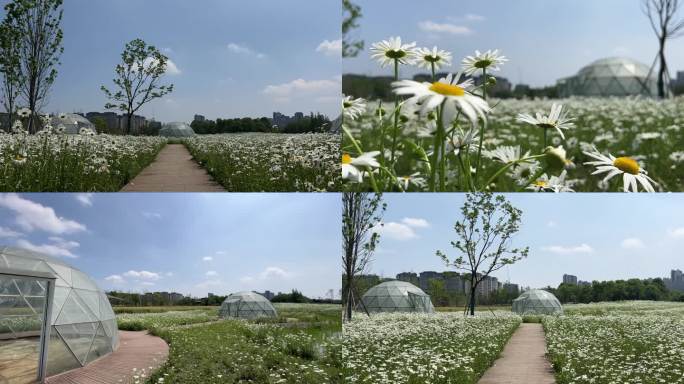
(484, 235)
(361, 213)
(10, 75)
(36, 24)
(352, 13)
(667, 25)
(137, 79)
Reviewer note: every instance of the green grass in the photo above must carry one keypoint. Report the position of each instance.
(301, 346)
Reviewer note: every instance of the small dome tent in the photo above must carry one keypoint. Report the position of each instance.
(176, 129)
(396, 296)
(537, 302)
(72, 123)
(82, 323)
(246, 305)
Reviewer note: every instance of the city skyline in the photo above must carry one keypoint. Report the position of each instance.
(541, 49)
(187, 243)
(561, 236)
(225, 58)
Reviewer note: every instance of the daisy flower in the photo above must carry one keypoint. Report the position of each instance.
(630, 170)
(448, 89)
(489, 60)
(505, 154)
(353, 108)
(354, 168)
(24, 112)
(406, 181)
(522, 172)
(432, 58)
(387, 52)
(462, 140)
(557, 119)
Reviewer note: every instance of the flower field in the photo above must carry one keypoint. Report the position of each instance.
(270, 162)
(51, 162)
(446, 134)
(301, 346)
(418, 348)
(637, 342)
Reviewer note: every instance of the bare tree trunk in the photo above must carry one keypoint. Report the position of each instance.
(661, 72)
(471, 304)
(129, 119)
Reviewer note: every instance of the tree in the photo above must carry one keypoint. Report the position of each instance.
(663, 17)
(137, 79)
(36, 24)
(352, 13)
(10, 74)
(484, 233)
(361, 213)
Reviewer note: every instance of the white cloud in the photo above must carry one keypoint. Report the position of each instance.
(86, 199)
(31, 215)
(211, 273)
(415, 222)
(551, 224)
(209, 284)
(560, 249)
(396, 231)
(246, 279)
(171, 67)
(58, 248)
(244, 50)
(207, 258)
(452, 29)
(677, 232)
(474, 17)
(115, 279)
(632, 243)
(142, 275)
(274, 272)
(8, 232)
(301, 87)
(169, 274)
(330, 48)
(152, 215)
(147, 283)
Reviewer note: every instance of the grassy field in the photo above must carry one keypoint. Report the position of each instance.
(257, 162)
(627, 342)
(302, 345)
(73, 163)
(424, 348)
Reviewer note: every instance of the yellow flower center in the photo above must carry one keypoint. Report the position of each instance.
(346, 159)
(627, 164)
(447, 89)
(541, 183)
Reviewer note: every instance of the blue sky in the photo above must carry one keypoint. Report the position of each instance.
(188, 243)
(231, 58)
(593, 236)
(544, 40)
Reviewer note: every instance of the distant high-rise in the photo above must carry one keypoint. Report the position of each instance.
(199, 118)
(676, 280)
(570, 279)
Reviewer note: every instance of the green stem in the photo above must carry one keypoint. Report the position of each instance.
(543, 149)
(507, 166)
(532, 179)
(442, 142)
(396, 114)
(482, 127)
(360, 151)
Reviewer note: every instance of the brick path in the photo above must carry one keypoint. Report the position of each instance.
(174, 170)
(523, 360)
(137, 350)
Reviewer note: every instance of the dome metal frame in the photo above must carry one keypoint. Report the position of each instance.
(246, 305)
(613, 76)
(82, 324)
(396, 296)
(176, 129)
(537, 302)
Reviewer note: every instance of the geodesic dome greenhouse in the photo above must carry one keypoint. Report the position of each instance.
(246, 305)
(82, 323)
(176, 130)
(72, 123)
(396, 296)
(614, 76)
(537, 302)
